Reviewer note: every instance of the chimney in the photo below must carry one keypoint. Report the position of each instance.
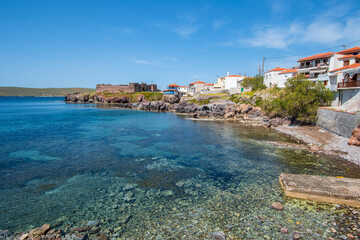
(228, 73)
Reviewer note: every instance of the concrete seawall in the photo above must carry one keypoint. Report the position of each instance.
(340, 123)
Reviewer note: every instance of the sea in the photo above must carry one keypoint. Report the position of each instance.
(146, 175)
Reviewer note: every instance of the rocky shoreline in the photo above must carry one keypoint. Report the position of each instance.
(244, 113)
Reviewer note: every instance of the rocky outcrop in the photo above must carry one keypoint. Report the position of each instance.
(275, 122)
(355, 138)
(171, 99)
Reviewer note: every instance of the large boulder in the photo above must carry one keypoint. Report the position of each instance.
(355, 138)
(171, 99)
(141, 98)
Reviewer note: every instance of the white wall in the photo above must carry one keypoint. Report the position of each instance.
(271, 78)
(283, 77)
(232, 82)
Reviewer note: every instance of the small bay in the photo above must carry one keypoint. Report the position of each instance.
(145, 175)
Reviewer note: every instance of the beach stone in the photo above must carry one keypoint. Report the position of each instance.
(277, 206)
(103, 237)
(284, 230)
(79, 236)
(44, 229)
(180, 184)
(128, 187)
(24, 236)
(5, 233)
(81, 229)
(92, 223)
(128, 197)
(332, 230)
(95, 230)
(218, 236)
(350, 236)
(296, 236)
(355, 138)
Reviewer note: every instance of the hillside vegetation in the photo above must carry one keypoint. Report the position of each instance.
(150, 96)
(40, 92)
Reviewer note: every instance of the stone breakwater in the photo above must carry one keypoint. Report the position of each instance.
(244, 113)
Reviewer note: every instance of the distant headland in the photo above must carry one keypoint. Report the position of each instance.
(40, 92)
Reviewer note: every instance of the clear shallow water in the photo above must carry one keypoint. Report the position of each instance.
(145, 175)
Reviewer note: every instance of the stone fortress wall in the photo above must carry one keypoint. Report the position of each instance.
(130, 88)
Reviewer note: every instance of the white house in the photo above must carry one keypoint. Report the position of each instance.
(209, 87)
(271, 77)
(230, 82)
(316, 68)
(284, 76)
(198, 86)
(183, 89)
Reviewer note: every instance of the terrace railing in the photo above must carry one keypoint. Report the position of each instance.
(349, 84)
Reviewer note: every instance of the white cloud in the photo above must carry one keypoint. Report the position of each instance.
(146, 62)
(219, 23)
(325, 31)
(184, 30)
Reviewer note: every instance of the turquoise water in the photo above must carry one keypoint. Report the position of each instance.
(146, 175)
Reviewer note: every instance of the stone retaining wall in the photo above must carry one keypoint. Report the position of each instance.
(340, 123)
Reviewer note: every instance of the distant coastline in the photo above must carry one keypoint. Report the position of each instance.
(40, 92)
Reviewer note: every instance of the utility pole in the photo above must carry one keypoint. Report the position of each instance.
(344, 46)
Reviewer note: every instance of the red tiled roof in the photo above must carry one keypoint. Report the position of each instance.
(173, 85)
(347, 56)
(317, 56)
(198, 82)
(350, 50)
(278, 69)
(288, 71)
(182, 86)
(350, 56)
(209, 84)
(232, 76)
(355, 65)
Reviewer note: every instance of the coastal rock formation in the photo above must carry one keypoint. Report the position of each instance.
(245, 113)
(171, 99)
(355, 138)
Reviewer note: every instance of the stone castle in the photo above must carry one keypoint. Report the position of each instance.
(130, 88)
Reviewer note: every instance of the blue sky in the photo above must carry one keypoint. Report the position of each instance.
(82, 43)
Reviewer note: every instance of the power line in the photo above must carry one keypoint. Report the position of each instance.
(341, 45)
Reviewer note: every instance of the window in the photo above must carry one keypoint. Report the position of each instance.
(325, 82)
(346, 62)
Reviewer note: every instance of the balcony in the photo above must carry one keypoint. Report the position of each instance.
(349, 84)
(318, 65)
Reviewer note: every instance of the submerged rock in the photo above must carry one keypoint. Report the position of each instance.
(93, 223)
(277, 206)
(218, 236)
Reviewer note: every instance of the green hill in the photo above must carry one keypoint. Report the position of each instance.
(40, 92)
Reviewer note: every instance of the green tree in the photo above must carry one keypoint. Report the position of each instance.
(255, 83)
(299, 100)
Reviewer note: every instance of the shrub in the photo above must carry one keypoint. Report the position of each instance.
(299, 100)
(255, 83)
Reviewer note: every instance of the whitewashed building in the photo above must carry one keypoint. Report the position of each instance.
(271, 77)
(317, 67)
(183, 89)
(284, 76)
(197, 87)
